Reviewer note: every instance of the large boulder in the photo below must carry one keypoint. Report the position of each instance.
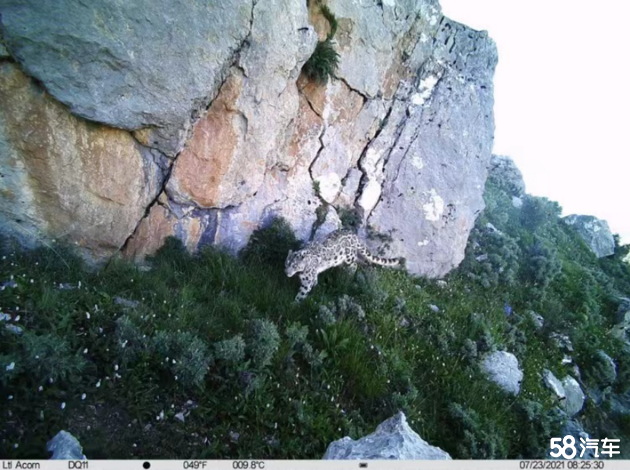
(392, 440)
(502, 368)
(401, 137)
(65, 446)
(595, 232)
(506, 175)
(575, 396)
(425, 172)
(147, 64)
(65, 178)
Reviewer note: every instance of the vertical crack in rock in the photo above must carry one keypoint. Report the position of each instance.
(234, 61)
(358, 92)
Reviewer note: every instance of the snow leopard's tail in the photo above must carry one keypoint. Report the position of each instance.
(377, 259)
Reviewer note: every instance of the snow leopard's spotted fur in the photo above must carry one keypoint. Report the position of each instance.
(340, 247)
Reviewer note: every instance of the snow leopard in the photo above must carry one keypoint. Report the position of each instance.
(340, 247)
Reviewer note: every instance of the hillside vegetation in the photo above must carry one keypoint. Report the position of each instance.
(208, 356)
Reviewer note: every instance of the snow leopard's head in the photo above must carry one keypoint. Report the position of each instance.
(295, 262)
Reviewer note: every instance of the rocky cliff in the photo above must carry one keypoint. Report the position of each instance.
(124, 123)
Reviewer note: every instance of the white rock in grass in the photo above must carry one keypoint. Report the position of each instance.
(392, 440)
(65, 446)
(575, 396)
(554, 384)
(502, 368)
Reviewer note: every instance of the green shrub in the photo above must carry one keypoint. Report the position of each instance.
(537, 427)
(492, 258)
(322, 65)
(271, 244)
(230, 351)
(297, 339)
(185, 355)
(49, 357)
(262, 342)
(540, 266)
(538, 212)
(130, 340)
(478, 438)
(350, 218)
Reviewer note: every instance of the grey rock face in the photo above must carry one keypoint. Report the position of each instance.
(330, 224)
(575, 396)
(594, 232)
(132, 65)
(506, 175)
(65, 446)
(66, 178)
(392, 440)
(402, 135)
(432, 155)
(503, 369)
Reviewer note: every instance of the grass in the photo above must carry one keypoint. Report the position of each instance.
(221, 341)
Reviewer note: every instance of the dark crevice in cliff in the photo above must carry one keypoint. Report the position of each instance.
(153, 202)
(363, 95)
(233, 62)
(397, 105)
(308, 101)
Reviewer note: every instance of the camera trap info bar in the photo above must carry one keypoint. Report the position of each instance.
(312, 464)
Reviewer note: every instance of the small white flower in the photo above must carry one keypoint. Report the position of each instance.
(50, 380)
(85, 351)
(135, 445)
(10, 366)
(10, 397)
(63, 405)
(16, 445)
(79, 284)
(268, 405)
(41, 388)
(32, 281)
(176, 378)
(98, 384)
(83, 396)
(17, 318)
(174, 361)
(115, 366)
(87, 314)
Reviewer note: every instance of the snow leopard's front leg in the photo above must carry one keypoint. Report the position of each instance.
(351, 262)
(308, 280)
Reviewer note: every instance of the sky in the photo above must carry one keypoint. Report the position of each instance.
(562, 98)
